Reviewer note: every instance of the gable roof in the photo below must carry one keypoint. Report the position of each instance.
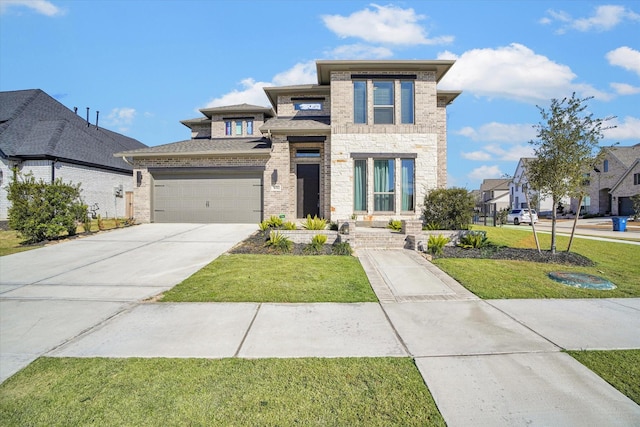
(495, 184)
(33, 125)
(625, 155)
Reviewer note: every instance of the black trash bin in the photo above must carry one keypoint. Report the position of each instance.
(619, 223)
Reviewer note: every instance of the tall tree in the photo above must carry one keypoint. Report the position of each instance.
(565, 149)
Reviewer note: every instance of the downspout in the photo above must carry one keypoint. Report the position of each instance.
(53, 170)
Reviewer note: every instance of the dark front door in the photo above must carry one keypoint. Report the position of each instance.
(308, 190)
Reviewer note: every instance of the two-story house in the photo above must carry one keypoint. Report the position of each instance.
(368, 140)
(614, 181)
(494, 195)
(518, 187)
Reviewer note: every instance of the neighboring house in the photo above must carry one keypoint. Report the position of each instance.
(39, 135)
(494, 195)
(613, 182)
(368, 141)
(519, 185)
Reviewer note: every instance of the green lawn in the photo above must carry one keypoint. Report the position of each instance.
(10, 243)
(495, 279)
(226, 392)
(283, 278)
(620, 368)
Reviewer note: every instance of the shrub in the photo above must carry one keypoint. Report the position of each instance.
(395, 224)
(289, 225)
(502, 216)
(100, 223)
(314, 223)
(433, 226)
(452, 208)
(333, 226)
(317, 244)
(274, 221)
(474, 239)
(41, 211)
(263, 226)
(279, 242)
(436, 243)
(341, 248)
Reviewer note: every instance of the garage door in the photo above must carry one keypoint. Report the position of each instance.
(214, 196)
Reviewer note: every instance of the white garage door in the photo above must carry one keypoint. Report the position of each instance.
(211, 196)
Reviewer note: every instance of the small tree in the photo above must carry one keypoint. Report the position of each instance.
(566, 141)
(451, 208)
(636, 206)
(41, 211)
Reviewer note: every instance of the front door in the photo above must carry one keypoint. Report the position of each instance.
(308, 190)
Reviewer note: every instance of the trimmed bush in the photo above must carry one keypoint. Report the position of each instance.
(41, 211)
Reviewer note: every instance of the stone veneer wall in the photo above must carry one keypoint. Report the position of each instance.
(426, 138)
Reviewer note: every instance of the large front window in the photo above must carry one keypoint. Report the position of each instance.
(383, 185)
(360, 185)
(407, 184)
(383, 102)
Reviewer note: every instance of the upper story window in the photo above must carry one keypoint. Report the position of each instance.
(239, 127)
(307, 106)
(360, 102)
(227, 127)
(391, 94)
(383, 102)
(636, 179)
(605, 166)
(249, 127)
(406, 102)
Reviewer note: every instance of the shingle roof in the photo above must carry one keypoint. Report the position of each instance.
(33, 125)
(302, 124)
(495, 184)
(626, 155)
(239, 108)
(217, 146)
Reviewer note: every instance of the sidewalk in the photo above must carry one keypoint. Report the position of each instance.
(485, 362)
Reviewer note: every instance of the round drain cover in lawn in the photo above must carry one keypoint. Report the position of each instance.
(581, 280)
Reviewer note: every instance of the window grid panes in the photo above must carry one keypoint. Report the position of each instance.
(360, 102)
(383, 102)
(383, 185)
(360, 186)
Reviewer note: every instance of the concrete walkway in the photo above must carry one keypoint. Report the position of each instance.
(496, 362)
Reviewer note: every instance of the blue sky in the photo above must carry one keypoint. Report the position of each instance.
(146, 65)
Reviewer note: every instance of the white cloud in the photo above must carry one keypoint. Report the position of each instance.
(513, 72)
(625, 89)
(625, 57)
(43, 7)
(121, 118)
(628, 128)
(251, 91)
(500, 132)
(383, 24)
(604, 18)
(359, 51)
(485, 172)
(482, 156)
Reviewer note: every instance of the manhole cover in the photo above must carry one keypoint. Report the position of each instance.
(581, 280)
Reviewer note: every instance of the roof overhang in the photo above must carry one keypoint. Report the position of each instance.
(325, 67)
(302, 90)
(448, 95)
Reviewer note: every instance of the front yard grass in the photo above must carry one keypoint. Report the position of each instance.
(282, 278)
(11, 243)
(496, 279)
(620, 368)
(225, 392)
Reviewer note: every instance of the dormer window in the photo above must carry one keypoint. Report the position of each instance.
(249, 127)
(227, 127)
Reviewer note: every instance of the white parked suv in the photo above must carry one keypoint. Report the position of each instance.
(516, 216)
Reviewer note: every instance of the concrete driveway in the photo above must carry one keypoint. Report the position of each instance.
(53, 294)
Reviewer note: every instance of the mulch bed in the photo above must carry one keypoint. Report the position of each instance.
(255, 244)
(517, 254)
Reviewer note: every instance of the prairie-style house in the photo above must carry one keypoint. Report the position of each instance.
(367, 142)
